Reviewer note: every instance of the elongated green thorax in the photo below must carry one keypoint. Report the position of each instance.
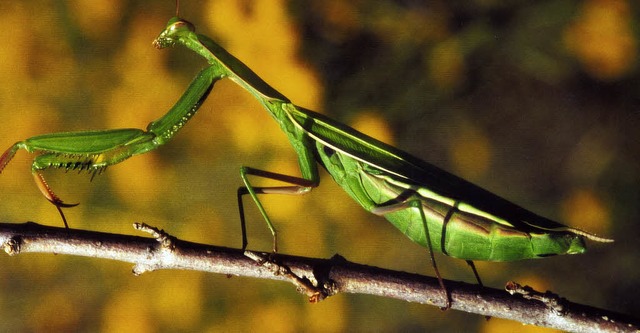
(179, 31)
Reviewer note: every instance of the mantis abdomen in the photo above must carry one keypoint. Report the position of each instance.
(454, 227)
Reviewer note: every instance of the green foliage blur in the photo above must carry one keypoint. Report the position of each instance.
(537, 101)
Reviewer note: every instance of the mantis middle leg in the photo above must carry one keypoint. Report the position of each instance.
(300, 186)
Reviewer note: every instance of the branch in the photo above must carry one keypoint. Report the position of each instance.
(318, 278)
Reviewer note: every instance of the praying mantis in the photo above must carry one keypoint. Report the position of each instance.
(432, 207)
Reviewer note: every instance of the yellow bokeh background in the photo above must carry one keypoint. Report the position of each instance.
(432, 80)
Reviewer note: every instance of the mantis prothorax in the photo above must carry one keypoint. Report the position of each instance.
(430, 206)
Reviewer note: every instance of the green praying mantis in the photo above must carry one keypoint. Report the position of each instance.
(432, 207)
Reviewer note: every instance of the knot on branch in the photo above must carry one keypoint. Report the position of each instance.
(553, 301)
(12, 246)
(167, 246)
(167, 242)
(313, 289)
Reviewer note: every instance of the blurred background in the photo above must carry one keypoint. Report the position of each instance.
(537, 101)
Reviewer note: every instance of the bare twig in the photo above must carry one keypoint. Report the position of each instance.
(318, 278)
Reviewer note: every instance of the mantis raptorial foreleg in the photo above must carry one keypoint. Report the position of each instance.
(93, 151)
(48, 193)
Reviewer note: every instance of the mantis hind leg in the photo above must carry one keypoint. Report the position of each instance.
(385, 209)
(51, 196)
(443, 240)
(418, 204)
(475, 272)
(299, 186)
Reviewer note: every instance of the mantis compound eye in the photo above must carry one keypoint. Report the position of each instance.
(176, 27)
(182, 25)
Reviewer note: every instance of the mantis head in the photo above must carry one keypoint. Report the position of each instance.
(176, 29)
